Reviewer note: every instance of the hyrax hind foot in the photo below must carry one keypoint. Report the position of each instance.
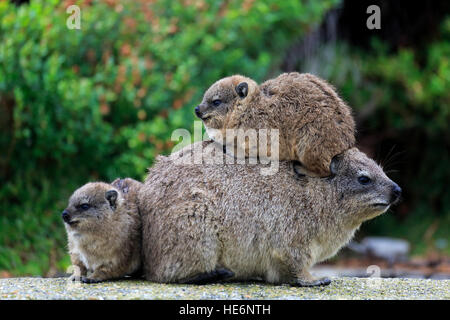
(311, 283)
(302, 171)
(217, 275)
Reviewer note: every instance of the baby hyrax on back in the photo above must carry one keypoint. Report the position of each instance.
(203, 223)
(104, 230)
(314, 123)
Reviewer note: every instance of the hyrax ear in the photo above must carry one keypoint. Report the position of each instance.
(334, 165)
(111, 196)
(242, 89)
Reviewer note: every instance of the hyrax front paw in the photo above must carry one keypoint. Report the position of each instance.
(312, 283)
(89, 280)
(75, 277)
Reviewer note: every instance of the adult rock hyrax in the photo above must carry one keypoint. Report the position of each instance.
(313, 122)
(104, 230)
(203, 223)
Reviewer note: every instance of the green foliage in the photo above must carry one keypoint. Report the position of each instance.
(102, 102)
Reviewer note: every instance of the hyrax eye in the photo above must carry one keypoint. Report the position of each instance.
(84, 206)
(364, 180)
(217, 102)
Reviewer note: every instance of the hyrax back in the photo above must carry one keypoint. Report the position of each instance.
(104, 230)
(314, 123)
(205, 219)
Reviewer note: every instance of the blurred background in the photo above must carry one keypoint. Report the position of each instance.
(101, 102)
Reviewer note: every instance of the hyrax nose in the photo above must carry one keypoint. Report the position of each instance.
(396, 192)
(198, 113)
(65, 216)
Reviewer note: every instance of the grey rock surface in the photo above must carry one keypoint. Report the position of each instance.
(340, 288)
(386, 248)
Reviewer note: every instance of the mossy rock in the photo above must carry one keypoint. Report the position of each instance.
(340, 288)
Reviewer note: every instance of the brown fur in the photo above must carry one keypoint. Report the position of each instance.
(314, 123)
(105, 240)
(199, 218)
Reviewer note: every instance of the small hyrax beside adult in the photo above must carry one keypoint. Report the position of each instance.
(203, 223)
(104, 230)
(314, 123)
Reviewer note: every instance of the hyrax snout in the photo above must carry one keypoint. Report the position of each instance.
(104, 230)
(212, 222)
(313, 122)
